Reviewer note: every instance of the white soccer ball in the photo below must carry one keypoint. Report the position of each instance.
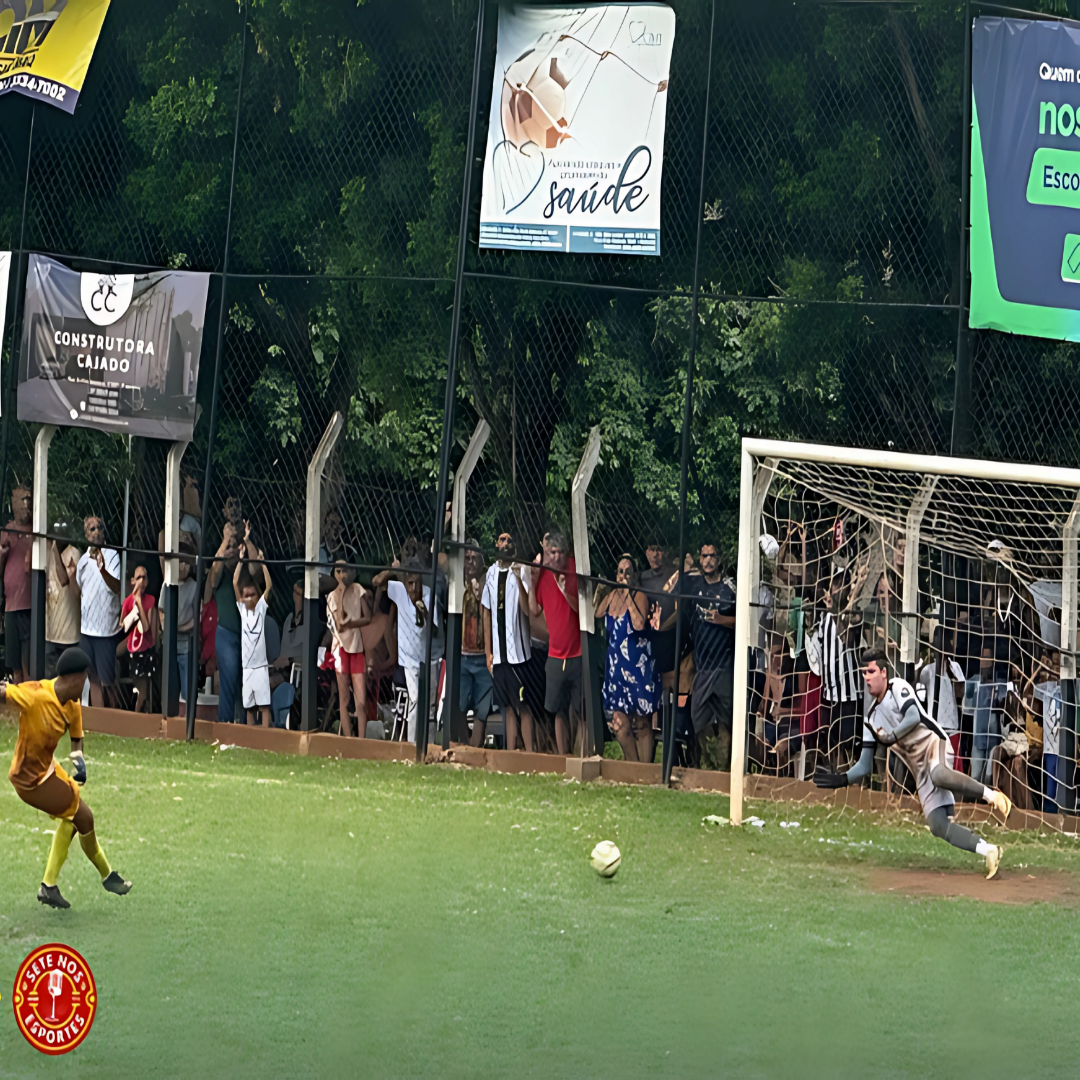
(605, 858)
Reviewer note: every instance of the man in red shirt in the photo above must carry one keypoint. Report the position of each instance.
(16, 542)
(555, 592)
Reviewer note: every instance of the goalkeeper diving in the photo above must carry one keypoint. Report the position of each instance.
(897, 719)
(46, 710)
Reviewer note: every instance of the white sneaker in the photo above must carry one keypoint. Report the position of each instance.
(993, 862)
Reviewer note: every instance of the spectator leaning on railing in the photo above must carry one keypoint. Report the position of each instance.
(711, 599)
(553, 590)
(415, 615)
(98, 578)
(631, 687)
(227, 634)
(139, 621)
(506, 639)
(16, 542)
(186, 610)
(251, 605)
(475, 683)
(61, 604)
(349, 609)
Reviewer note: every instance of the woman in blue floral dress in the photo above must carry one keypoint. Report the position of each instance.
(631, 687)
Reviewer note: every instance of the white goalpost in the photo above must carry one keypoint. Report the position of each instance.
(964, 571)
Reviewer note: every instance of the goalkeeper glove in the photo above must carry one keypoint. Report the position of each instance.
(826, 779)
(79, 762)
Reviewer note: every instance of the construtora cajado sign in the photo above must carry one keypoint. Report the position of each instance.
(116, 352)
(575, 144)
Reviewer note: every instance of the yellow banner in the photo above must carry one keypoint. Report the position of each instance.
(46, 45)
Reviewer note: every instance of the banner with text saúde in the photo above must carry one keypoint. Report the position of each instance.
(115, 352)
(575, 142)
(46, 46)
(1025, 177)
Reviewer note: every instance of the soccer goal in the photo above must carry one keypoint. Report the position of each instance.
(963, 571)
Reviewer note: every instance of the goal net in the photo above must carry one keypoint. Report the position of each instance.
(964, 572)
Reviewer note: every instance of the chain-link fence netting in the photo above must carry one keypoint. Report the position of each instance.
(820, 217)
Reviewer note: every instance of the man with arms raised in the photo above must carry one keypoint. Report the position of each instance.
(46, 710)
(897, 719)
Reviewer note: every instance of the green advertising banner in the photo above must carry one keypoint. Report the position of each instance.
(1025, 177)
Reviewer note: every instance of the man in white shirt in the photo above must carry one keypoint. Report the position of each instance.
(415, 616)
(98, 578)
(506, 639)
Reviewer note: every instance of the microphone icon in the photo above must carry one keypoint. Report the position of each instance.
(56, 987)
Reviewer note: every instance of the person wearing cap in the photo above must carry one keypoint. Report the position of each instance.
(46, 710)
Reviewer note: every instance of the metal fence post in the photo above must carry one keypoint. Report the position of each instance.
(170, 673)
(312, 539)
(424, 691)
(590, 645)
(40, 551)
(909, 620)
(743, 599)
(688, 420)
(1067, 730)
(208, 472)
(16, 321)
(456, 592)
(961, 426)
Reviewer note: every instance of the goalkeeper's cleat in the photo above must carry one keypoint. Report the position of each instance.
(114, 883)
(50, 894)
(1002, 804)
(993, 861)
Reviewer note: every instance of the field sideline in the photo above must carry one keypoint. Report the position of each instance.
(308, 917)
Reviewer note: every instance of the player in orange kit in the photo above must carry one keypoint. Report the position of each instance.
(46, 710)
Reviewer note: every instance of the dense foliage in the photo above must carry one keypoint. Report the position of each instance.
(829, 260)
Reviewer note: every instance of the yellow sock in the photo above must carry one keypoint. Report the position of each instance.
(95, 854)
(61, 841)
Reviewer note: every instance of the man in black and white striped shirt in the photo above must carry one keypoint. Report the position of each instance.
(841, 692)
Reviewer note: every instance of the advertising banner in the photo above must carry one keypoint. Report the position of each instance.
(576, 132)
(1025, 177)
(46, 45)
(115, 352)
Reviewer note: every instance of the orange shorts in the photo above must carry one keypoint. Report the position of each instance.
(57, 795)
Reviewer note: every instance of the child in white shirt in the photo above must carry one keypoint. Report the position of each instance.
(256, 670)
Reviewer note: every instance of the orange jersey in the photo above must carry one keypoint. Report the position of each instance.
(42, 723)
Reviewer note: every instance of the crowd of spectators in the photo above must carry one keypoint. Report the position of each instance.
(989, 669)
(520, 667)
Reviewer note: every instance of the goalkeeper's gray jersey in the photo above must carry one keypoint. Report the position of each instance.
(891, 711)
(922, 748)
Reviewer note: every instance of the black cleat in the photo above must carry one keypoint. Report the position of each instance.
(114, 883)
(50, 894)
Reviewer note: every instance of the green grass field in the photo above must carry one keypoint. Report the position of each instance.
(297, 917)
